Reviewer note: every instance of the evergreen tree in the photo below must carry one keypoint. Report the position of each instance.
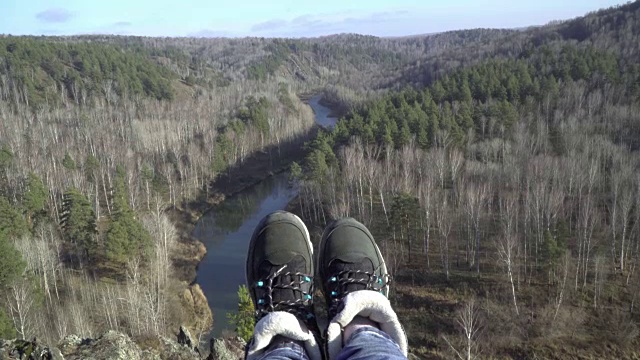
(244, 319)
(12, 224)
(221, 154)
(508, 114)
(423, 138)
(11, 263)
(35, 196)
(552, 250)
(404, 135)
(295, 172)
(465, 91)
(7, 331)
(387, 137)
(464, 117)
(91, 165)
(257, 113)
(126, 238)
(6, 157)
(317, 164)
(68, 162)
(438, 92)
(367, 135)
(78, 221)
(404, 217)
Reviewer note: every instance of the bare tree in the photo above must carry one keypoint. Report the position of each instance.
(475, 200)
(427, 197)
(506, 247)
(445, 223)
(470, 324)
(562, 286)
(21, 304)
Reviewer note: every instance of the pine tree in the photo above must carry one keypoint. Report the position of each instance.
(78, 221)
(126, 237)
(68, 162)
(6, 157)
(317, 163)
(12, 224)
(404, 210)
(464, 117)
(91, 165)
(423, 138)
(11, 263)
(465, 91)
(244, 319)
(404, 135)
(221, 154)
(7, 331)
(295, 172)
(438, 92)
(35, 196)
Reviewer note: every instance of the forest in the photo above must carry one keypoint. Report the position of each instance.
(498, 170)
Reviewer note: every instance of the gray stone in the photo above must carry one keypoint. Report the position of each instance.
(24, 349)
(226, 349)
(185, 338)
(112, 345)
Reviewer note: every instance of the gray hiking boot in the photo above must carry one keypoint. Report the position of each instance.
(350, 261)
(279, 273)
(355, 282)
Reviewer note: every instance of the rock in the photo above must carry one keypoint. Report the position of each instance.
(184, 337)
(57, 354)
(220, 351)
(197, 309)
(112, 345)
(226, 349)
(69, 343)
(117, 346)
(174, 351)
(24, 349)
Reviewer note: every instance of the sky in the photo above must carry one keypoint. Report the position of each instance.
(279, 18)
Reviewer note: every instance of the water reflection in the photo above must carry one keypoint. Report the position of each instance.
(225, 230)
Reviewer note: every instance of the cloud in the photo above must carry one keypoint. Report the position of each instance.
(269, 25)
(54, 15)
(379, 23)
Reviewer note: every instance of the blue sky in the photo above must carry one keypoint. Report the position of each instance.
(282, 18)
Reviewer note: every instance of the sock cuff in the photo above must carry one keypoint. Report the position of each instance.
(286, 325)
(371, 305)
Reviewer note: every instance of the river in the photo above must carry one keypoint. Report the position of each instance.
(226, 230)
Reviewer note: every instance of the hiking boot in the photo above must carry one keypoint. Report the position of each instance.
(350, 261)
(355, 282)
(279, 273)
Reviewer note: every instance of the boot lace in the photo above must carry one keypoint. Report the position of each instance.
(340, 285)
(300, 307)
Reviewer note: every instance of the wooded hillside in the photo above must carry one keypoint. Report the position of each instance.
(505, 194)
(498, 169)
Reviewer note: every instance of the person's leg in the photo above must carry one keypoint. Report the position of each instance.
(279, 272)
(356, 284)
